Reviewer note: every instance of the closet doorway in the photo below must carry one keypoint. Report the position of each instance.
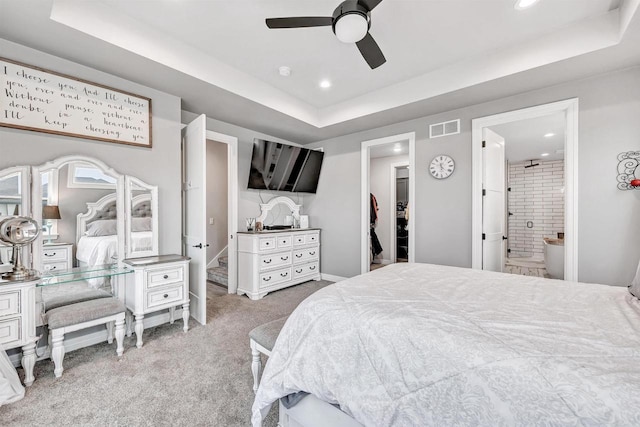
(387, 193)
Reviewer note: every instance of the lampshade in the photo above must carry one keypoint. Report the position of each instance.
(351, 28)
(50, 212)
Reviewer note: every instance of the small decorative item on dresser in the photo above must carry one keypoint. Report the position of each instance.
(250, 223)
(629, 170)
(259, 226)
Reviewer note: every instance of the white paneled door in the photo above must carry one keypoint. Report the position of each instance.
(194, 190)
(493, 202)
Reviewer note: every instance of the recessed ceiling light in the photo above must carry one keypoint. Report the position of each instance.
(397, 149)
(284, 71)
(549, 135)
(544, 154)
(325, 84)
(524, 4)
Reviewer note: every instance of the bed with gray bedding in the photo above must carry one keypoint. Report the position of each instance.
(419, 344)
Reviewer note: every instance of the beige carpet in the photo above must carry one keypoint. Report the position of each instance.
(201, 378)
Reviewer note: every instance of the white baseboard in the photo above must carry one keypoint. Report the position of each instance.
(97, 335)
(332, 278)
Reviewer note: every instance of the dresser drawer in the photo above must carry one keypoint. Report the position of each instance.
(266, 243)
(275, 260)
(48, 266)
(163, 276)
(9, 303)
(54, 254)
(9, 330)
(305, 270)
(274, 277)
(284, 242)
(298, 240)
(303, 255)
(166, 295)
(311, 238)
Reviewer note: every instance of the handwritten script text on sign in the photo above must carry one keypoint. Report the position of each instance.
(36, 99)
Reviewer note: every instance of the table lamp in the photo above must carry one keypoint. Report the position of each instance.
(50, 213)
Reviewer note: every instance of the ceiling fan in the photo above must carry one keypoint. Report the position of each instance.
(350, 23)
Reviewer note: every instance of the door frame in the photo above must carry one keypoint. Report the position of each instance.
(570, 108)
(392, 207)
(232, 200)
(365, 163)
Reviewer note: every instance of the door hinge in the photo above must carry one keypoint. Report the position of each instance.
(484, 236)
(504, 237)
(484, 144)
(484, 192)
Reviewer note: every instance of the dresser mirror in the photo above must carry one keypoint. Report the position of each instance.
(14, 200)
(279, 211)
(141, 213)
(89, 214)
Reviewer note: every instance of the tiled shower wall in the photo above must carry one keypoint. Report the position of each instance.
(537, 197)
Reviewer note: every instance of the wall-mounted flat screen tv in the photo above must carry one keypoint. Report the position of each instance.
(282, 167)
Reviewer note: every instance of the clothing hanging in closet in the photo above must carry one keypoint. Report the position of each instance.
(376, 247)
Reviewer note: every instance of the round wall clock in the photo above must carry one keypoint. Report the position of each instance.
(442, 167)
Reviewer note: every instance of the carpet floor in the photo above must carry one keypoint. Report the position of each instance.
(201, 378)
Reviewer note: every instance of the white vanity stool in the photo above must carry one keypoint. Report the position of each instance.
(160, 283)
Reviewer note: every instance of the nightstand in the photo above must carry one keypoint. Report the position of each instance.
(57, 256)
(160, 283)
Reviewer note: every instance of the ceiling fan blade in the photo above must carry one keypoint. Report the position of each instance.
(299, 22)
(369, 4)
(371, 52)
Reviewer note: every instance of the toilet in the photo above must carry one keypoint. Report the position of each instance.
(554, 257)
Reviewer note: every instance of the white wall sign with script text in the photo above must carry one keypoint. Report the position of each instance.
(35, 99)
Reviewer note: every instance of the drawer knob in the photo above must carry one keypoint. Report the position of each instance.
(284, 258)
(284, 274)
(266, 279)
(267, 261)
(53, 268)
(313, 267)
(166, 276)
(166, 295)
(50, 254)
(312, 253)
(298, 255)
(298, 271)
(266, 244)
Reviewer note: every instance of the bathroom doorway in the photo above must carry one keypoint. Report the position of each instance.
(534, 198)
(524, 171)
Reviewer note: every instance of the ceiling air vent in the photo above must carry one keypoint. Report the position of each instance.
(451, 127)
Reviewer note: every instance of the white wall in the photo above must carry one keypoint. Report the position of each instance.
(536, 196)
(217, 202)
(608, 225)
(379, 181)
(159, 165)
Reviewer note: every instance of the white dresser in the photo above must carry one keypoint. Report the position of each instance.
(272, 260)
(18, 322)
(57, 256)
(160, 283)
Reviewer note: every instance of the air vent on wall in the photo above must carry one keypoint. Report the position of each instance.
(451, 127)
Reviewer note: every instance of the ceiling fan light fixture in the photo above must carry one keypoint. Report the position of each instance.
(525, 4)
(351, 27)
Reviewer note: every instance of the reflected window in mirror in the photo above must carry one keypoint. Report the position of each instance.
(84, 175)
(11, 194)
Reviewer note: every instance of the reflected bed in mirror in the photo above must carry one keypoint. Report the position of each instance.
(97, 238)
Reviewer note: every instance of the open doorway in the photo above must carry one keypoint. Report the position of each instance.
(525, 169)
(534, 197)
(388, 188)
(217, 228)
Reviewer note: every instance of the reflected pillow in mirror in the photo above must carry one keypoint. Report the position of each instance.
(102, 227)
(141, 224)
(635, 285)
